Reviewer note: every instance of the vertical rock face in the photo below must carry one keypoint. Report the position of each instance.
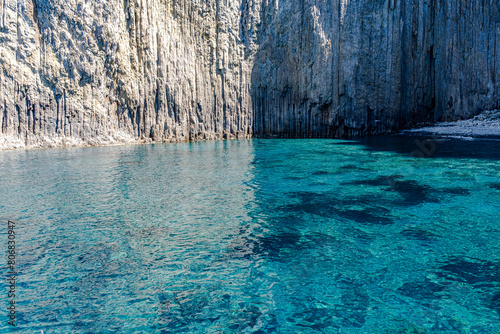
(105, 71)
(110, 71)
(332, 68)
(467, 65)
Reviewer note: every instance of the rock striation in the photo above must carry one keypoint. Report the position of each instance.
(102, 72)
(333, 68)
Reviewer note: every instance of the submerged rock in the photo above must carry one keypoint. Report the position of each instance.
(425, 290)
(476, 272)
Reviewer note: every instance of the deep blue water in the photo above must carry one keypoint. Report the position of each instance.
(257, 236)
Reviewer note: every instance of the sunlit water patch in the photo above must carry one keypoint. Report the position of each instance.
(262, 236)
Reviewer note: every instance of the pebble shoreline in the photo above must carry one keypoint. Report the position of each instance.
(486, 124)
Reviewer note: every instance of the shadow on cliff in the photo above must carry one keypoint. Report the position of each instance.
(330, 69)
(312, 77)
(291, 91)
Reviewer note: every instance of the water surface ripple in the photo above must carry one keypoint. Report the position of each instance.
(254, 236)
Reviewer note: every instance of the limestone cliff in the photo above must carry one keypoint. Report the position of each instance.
(331, 68)
(103, 71)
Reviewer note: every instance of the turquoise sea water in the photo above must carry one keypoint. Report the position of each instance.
(260, 236)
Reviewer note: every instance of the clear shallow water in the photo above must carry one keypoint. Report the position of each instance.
(262, 236)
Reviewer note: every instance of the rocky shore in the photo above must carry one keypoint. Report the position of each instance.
(486, 124)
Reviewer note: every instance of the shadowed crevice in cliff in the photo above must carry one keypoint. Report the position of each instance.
(35, 18)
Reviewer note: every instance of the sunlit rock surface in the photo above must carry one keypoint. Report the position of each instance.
(104, 72)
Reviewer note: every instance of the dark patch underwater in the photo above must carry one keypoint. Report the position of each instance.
(476, 272)
(423, 290)
(418, 234)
